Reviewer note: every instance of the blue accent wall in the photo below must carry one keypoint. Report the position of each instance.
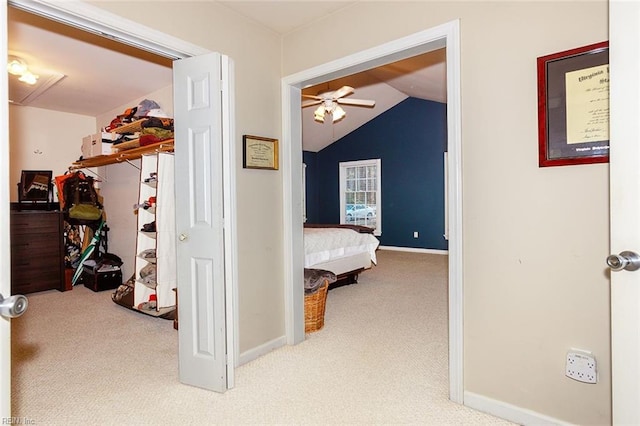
(410, 140)
(311, 191)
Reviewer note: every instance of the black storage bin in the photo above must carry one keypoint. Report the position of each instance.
(101, 280)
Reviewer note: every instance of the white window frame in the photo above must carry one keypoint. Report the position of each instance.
(359, 163)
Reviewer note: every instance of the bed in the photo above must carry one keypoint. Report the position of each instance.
(345, 250)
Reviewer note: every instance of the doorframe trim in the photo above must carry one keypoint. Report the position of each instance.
(5, 249)
(445, 35)
(99, 21)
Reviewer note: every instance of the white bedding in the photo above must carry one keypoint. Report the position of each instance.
(325, 244)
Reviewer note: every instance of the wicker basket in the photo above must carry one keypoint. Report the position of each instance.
(314, 305)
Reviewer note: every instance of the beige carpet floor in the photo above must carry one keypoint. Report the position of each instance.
(80, 359)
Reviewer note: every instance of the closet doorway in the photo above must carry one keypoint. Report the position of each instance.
(146, 39)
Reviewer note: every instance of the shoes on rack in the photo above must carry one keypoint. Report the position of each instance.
(148, 270)
(153, 177)
(151, 305)
(145, 205)
(149, 281)
(148, 254)
(149, 227)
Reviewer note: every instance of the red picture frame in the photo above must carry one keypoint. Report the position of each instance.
(573, 122)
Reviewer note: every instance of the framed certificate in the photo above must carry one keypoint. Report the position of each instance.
(573, 106)
(259, 153)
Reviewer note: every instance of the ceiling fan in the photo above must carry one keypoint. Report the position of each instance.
(329, 103)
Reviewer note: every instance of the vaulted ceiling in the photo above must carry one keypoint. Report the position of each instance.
(420, 77)
(87, 74)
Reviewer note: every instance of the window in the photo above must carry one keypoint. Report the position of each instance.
(360, 201)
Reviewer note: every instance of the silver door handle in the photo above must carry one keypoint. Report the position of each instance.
(627, 260)
(13, 306)
(182, 237)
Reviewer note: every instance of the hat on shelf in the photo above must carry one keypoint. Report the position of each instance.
(157, 112)
(145, 106)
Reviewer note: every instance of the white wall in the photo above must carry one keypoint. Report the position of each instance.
(256, 55)
(42, 139)
(535, 239)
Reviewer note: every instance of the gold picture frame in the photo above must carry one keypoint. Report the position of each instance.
(259, 153)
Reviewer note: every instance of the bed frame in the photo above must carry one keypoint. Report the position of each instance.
(349, 268)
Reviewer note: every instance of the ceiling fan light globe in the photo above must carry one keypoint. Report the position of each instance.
(318, 114)
(338, 113)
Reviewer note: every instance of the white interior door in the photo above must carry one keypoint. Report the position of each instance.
(5, 260)
(624, 60)
(200, 100)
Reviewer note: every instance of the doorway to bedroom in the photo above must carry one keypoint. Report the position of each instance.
(444, 37)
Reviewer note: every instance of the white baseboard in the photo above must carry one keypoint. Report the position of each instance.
(509, 412)
(263, 349)
(414, 250)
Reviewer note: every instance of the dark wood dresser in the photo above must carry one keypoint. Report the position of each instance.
(37, 251)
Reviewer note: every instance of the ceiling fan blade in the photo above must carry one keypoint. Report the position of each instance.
(309, 103)
(357, 102)
(312, 97)
(343, 91)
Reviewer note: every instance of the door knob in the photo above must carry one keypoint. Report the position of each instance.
(13, 306)
(182, 237)
(627, 260)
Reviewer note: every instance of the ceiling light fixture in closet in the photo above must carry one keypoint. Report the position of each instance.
(18, 67)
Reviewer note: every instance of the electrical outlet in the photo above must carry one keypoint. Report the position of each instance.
(415, 234)
(581, 366)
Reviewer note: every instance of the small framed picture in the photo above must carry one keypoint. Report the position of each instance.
(259, 153)
(573, 106)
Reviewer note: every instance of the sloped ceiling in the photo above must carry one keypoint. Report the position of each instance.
(92, 74)
(422, 77)
(87, 74)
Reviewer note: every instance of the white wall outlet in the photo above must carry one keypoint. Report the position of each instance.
(415, 234)
(581, 366)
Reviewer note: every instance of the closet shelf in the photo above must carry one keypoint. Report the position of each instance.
(119, 157)
(132, 127)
